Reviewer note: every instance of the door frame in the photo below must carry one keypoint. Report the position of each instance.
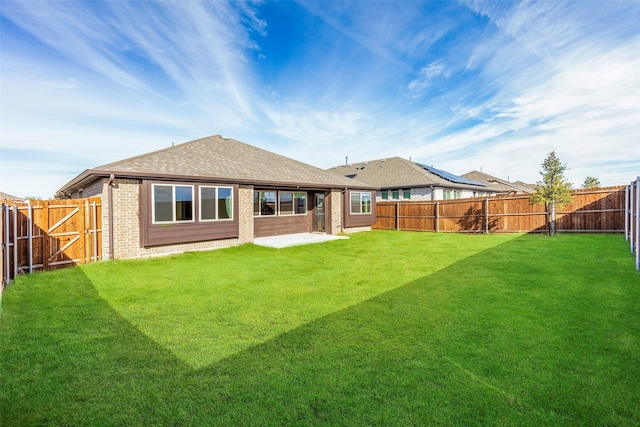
(319, 225)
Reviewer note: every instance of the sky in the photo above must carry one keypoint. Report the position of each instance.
(460, 85)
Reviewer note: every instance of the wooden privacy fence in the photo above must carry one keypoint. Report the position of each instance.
(42, 235)
(632, 218)
(593, 211)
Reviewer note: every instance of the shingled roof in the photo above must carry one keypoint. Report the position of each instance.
(217, 158)
(500, 184)
(396, 172)
(8, 196)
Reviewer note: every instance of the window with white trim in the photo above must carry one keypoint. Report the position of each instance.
(406, 194)
(172, 203)
(216, 203)
(360, 202)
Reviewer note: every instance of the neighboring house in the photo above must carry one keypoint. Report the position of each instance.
(504, 187)
(7, 196)
(400, 179)
(216, 192)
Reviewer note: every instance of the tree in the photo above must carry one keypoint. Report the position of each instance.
(554, 189)
(591, 182)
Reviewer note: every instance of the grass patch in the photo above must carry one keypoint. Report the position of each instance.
(386, 328)
(207, 306)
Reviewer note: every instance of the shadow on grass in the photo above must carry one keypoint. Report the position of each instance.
(504, 337)
(204, 307)
(66, 358)
(526, 334)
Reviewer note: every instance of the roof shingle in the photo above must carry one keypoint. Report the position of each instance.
(218, 157)
(501, 184)
(396, 172)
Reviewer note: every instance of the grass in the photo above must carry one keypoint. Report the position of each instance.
(386, 328)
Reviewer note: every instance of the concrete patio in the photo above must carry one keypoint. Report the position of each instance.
(295, 239)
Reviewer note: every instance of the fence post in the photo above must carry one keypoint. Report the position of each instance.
(631, 221)
(5, 246)
(437, 215)
(46, 244)
(15, 241)
(637, 223)
(95, 231)
(397, 215)
(486, 215)
(626, 212)
(7, 243)
(30, 236)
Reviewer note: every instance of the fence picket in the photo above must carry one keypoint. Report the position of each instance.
(597, 210)
(48, 234)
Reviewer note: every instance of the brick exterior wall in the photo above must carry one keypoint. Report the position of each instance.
(126, 221)
(357, 229)
(126, 224)
(426, 193)
(245, 206)
(94, 189)
(126, 218)
(336, 212)
(421, 193)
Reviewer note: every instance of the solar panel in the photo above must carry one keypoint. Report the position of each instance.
(449, 176)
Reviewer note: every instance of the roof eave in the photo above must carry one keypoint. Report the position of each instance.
(78, 182)
(91, 175)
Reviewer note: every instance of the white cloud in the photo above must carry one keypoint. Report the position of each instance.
(120, 79)
(426, 76)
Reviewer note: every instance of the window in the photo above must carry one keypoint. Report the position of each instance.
(207, 203)
(385, 195)
(300, 203)
(216, 203)
(172, 203)
(447, 194)
(457, 194)
(264, 203)
(225, 203)
(406, 194)
(288, 203)
(395, 195)
(360, 203)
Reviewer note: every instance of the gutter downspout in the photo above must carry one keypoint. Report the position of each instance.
(110, 197)
(344, 208)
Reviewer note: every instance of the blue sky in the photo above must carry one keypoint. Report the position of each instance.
(458, 85)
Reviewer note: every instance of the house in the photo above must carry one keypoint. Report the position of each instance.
(7, 196)
(401, 179)
(216, 192)
(504, 187)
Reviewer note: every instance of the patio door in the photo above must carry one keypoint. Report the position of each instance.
(319, 213)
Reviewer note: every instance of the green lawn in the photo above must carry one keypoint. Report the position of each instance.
(386, 328)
